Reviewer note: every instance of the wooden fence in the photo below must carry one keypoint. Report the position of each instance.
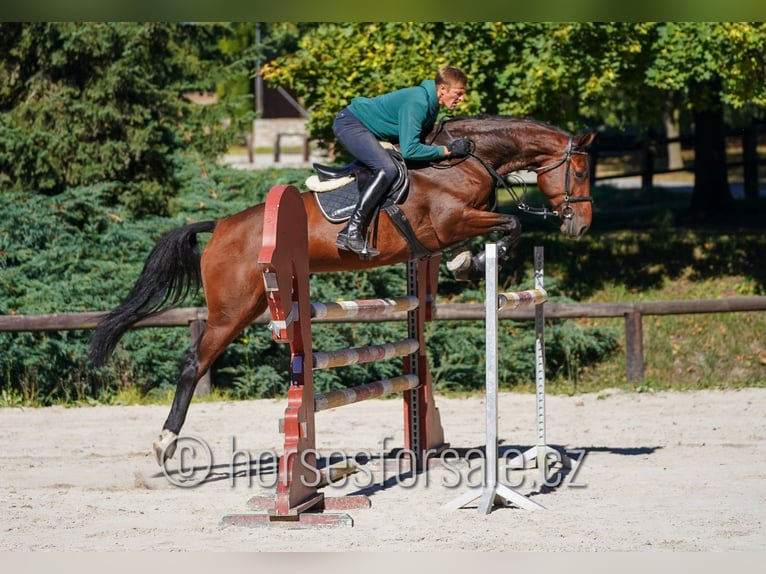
(194, 318)
(649, 148)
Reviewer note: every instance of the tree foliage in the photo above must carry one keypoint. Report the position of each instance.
(88, 103)
(687, 54)
(569, 73)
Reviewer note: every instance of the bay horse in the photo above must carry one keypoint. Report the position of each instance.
(447, 204)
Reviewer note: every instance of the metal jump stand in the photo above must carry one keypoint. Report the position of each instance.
(493, 492)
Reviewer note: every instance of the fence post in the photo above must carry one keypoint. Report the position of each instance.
(634, 347)
(647, 164)
(250, 143)
(750, 162)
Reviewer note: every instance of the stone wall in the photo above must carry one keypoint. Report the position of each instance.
(266, 131)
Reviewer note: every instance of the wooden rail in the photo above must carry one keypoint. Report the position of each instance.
(646, 149)
(632, 312)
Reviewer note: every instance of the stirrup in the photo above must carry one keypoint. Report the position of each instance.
(366, 252)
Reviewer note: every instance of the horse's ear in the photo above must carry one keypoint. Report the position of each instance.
(585, 139)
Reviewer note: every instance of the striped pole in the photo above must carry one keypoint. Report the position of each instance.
(368, 354)
(542, 445)
(363, 392)
(343, 309)
(514, 300)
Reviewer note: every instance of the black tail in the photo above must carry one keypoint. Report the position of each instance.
(170, 272)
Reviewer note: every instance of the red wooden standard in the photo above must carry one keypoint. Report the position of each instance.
(298, 503)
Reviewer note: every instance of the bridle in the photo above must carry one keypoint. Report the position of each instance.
(566, 211)
(562, 209)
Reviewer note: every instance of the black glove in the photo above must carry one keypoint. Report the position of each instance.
(459, 148)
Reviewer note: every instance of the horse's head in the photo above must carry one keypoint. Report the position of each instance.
(565, 183)
(506, 144)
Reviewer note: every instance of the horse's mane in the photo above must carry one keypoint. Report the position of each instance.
(480, 118)
(495, 131)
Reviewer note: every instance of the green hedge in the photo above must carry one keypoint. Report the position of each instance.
(78, 251)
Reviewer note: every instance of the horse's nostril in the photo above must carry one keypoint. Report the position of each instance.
(573, 230)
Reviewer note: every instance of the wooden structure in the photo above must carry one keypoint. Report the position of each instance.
(298, 501)
(631, 312)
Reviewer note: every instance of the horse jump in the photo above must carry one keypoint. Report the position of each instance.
(493, 491)
(286, 276)
(447, 203)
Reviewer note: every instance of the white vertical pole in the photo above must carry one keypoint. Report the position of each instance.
(490, 301)
(493, 491)
(542, 446)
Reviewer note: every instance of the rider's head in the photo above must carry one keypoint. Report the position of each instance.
(450, 86)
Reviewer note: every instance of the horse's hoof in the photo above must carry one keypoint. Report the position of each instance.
(460, 265)
(504, 244)
(165, 447)
(460, 261)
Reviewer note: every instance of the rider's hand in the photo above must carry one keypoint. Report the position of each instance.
(459, 148)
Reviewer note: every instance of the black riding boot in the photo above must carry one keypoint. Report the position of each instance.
(352, 237)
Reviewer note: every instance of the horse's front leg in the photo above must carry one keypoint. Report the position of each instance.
(476, 222)
(466, 266)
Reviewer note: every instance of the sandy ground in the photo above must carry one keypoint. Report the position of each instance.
(657, 472)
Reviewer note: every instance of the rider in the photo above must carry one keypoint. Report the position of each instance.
(405, 116)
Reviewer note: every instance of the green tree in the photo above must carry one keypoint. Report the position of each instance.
(86, 103)
(368, 59)
(718, 70)
(614, 73)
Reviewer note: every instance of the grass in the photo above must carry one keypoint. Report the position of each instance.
(644, 246)
(130, 395)
(682, 352)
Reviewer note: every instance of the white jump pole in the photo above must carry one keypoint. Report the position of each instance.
(492, 492)
(541, 454)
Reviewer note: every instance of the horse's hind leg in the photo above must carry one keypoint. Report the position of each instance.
(189, 374)
(222, 328)
(235, 297)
